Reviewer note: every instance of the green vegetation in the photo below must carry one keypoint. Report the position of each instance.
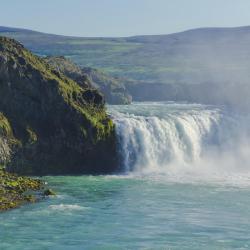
(113, 88)
(14, 190)
(7, 140)
(188, 57)
(58, 125)
(5, 128)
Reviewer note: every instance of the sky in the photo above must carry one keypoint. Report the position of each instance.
(122, 17)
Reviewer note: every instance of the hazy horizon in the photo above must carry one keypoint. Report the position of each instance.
(116, 18)
(160, 34)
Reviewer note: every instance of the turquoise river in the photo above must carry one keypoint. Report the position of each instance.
(183, 183)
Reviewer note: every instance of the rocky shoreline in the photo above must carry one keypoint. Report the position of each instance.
(50, 124)
(17, 190)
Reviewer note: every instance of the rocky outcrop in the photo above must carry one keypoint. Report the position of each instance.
(13, 190)
(69, 69)
(6, 140)
(112, 88)
(54, 125)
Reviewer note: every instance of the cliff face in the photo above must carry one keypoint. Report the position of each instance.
(69, 69)
(6, 140)
(112, 88)
(55, 125)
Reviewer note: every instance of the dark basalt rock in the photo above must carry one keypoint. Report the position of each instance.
(49, 192)
(55, 125)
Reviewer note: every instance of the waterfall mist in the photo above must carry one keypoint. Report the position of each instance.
(184, 141)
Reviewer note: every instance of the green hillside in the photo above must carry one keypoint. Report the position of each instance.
(203, 65)
(182, 57)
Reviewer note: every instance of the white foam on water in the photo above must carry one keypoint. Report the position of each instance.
(67, 207)
(183, 142)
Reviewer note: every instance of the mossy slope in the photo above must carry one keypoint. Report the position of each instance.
(57, 126)
(112, 88)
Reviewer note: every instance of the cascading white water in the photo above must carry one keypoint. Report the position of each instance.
(155, 136)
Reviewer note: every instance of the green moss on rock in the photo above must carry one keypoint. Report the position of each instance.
(13, 190)
(60, 126)
(112, 88)
(5, 128)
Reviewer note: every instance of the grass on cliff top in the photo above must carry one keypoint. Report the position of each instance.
(68, 89)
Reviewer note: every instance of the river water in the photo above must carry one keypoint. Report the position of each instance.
(184, 183)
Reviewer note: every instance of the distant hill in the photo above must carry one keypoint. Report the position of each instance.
(216, 57)
(186, 56)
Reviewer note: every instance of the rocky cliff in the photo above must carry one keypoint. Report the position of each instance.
(49, 124)
(112, 88)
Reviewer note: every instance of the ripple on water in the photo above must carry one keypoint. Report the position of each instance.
(67, 207)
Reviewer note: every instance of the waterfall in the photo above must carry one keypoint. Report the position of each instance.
(153, 137)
